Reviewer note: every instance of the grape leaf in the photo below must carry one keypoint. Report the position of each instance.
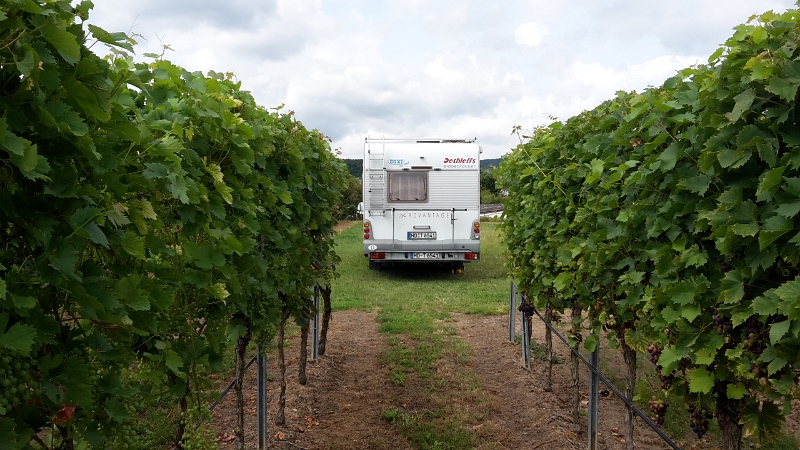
(762, 420)
(743, 102)
(774, 228)
(134, 245)
(670, 157)
(285, 197)
(736, 391)
(698, 184)
(66, 258)
(668, 360)
(690, 312)
(204, 256)
(766, 304)
(732, 287)
(116, 39)
(778, 330)
(745, 229)
(775, 365)
(701, 380)
(116, 410)
(591, 342)
(782, 88)
(218, 291)
(173, 361)
(769, 183)
(25, 65)
(64, 42)
(789, 209)
(13, 143)
(64, 118)
(19, 338)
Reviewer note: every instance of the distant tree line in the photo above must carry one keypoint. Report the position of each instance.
(355, 166)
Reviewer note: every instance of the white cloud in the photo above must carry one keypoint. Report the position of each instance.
(634, 77)
(413, 68)
(436, 70)
(529, 34)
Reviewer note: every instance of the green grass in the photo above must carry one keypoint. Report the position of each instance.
(421, 431)
(422, 289)
(413, 305)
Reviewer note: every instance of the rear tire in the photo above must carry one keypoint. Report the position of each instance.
(457, 267)
(375, 265)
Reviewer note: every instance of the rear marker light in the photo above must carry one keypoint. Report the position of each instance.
(471, 256)
(377, 255)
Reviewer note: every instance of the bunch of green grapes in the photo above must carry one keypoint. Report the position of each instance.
(18, 382)
(195, 438)
(127, 438)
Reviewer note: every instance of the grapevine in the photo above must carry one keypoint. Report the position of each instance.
(142, 207)
(672, 214)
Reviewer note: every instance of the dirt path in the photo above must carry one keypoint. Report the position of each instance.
(341, 405)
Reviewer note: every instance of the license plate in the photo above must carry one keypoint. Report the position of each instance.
(414, 235)
(426, 255)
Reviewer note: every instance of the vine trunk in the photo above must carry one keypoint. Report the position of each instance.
(629, 355)
(241, 348)
(576, 377)
(326, 317)
(548, 345)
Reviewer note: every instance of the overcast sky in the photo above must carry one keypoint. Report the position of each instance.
(432, 68)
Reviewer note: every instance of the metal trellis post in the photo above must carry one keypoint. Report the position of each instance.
(263, 433)
(512, 313)
(596, 372)
(315, 327)
(594, 398)
(526, 342)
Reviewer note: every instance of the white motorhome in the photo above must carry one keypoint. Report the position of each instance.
(421, 201)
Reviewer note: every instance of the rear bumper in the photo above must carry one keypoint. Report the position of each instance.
(459, 250)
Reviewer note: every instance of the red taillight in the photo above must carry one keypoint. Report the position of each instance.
(377, 255)
(477, 227)
(477, 230)
(366, 235)
(472, 256)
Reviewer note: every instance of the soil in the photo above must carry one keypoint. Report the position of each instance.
(340, 407)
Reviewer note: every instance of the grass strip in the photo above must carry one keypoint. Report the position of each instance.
(441, 400)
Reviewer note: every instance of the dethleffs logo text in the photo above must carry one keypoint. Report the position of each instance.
(460, 160)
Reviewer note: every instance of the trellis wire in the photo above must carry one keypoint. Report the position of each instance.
(593, 368)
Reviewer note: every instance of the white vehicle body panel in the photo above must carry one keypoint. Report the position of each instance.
(409, 222)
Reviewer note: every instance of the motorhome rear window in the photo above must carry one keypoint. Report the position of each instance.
(408, 186)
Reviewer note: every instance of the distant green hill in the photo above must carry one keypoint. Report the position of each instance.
(354, 166)
(486, 163)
